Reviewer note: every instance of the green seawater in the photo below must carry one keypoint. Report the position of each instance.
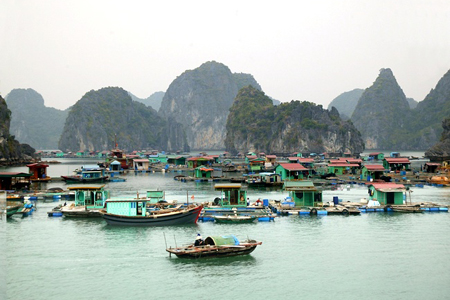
(371, 256)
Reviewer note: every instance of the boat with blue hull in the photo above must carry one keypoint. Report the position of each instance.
(143, 212)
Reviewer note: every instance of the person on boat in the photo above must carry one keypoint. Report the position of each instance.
(198, 240)
(258, 202)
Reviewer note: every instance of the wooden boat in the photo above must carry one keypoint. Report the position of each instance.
(136, 212)
(12, 208)
(88, 174)
(235, 219)
(444, 180)
(216, 246)
(407, 209)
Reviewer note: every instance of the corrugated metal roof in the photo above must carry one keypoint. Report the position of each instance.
(342, 164)
(374, 167)
(397, 160)
(293, 167)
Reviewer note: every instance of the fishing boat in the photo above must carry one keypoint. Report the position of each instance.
(216, 246)
(235, 219)
(12, 207)
(142, 212)
(88, 174)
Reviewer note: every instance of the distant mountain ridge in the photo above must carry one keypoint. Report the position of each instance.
(32, 122)
(103, 116)
(346, 102)
(200, 100)
(154, 100)
(255, 124)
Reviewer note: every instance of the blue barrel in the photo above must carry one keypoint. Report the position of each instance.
(266, 202)
(335, 200)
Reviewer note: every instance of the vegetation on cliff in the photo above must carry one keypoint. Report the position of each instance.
(32, 122)
(386, 121)
(11, 151)
(154, 100)
(254, 124)
(441, 150)
(102, 116)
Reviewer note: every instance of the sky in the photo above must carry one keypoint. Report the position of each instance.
(296, 50)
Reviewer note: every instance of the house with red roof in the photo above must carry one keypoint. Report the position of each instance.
(369, 172)
(291, 171)
(386, 192)
(397, 163)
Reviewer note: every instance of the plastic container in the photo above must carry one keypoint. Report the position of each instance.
(265, 202)
(335, 200)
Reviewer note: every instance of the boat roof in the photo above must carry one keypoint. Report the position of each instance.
(86, 187)
(15, 174)
(219, 186)
(301, 185)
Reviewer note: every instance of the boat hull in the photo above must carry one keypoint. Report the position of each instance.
(75, 179)
(234, 220)
(212, 251)
(176, 218)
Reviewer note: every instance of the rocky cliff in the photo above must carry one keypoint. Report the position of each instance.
(11, 151)
(100, 116)
(382, 112)
(441, 150)
(346, 102)
(200, 100)
(255, 124)
(32, 122)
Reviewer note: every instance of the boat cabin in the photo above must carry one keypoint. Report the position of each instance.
(14, 180)
(303, 193)
(92, 172)
(291, 171)
(397, 164)
(38, 171)
(387, 192)
(141, 164)
(231, 195)
(91, 196)
(155, 196)
(372, 172)
(203, 172)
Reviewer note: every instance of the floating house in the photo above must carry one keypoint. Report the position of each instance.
(269, 179)
(291, 171)
(354, 161)
(430, 167)
(177, 160)
(308, 163)
(115, 166)
(397, 164)
(303, 193)
(194, 162)
(231, 195)
(387, 193)
(203, 172)
(141, 164)
(341, 168)
(256, 165)
(39, 172)
(89, 201)
(14, 180)
(369, 172)
(271, 159)
(249, 158)
(376, 156)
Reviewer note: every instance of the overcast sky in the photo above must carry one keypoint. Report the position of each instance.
(296, 50)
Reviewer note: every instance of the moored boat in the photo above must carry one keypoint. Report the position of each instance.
(89, 200)
(235, 219)
(88, 174)
(141, 212)
(216, 246)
